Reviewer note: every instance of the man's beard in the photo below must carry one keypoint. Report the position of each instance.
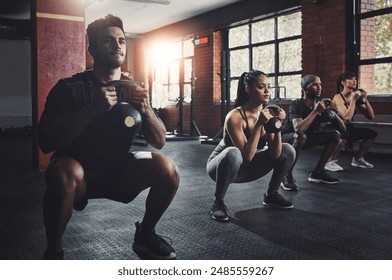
(109, 61)
(312, 95)
(112, 63)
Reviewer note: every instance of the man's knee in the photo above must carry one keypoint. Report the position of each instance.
(334, 136)
(64, 175)
(299, 140)
(167, 171)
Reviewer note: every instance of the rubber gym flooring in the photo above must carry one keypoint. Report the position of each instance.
(351, 220)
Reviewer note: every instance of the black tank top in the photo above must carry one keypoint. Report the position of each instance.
(262, 140)
(345, 103)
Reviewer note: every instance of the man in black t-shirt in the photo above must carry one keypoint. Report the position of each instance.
(304, 130)
(83, 126)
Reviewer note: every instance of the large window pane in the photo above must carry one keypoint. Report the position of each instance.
(289, 25)
(239, 61)
(263, 31)
(187, 93)
(376, 79)
(174, 71)
(371, 5)
(233, 90)
(290, 86)
(174, 92)
(264, 58)
(187, 70)
(175, 50)
(290, 56)
(265, 52)
(239, 36)
(376, 37)
(188, 48)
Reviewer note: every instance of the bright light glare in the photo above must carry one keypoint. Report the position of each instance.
(162, 53)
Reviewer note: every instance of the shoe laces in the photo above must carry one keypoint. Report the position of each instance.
(290, 179)
(219, 205)
(159, 239)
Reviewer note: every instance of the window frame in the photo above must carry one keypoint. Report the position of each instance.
(353, 30)
(276, 41)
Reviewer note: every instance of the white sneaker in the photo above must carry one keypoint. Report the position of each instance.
(333, 166)
(361, 163)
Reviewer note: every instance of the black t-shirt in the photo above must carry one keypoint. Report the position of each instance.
(298, 109)
(99, 138)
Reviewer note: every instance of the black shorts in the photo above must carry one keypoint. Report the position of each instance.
(316, 138)
(103, 176)
(354, 134)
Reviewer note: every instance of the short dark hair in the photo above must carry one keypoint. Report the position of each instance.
(343, 77)
(95, 27)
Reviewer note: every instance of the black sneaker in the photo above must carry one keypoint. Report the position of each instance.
(219, 212)
(322, 177)
(153, 247)
(288, 183)
(277, 200)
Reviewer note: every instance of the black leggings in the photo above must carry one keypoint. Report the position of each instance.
(354, 134)
(227, 166)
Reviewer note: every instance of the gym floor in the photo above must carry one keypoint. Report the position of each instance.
(351, 220)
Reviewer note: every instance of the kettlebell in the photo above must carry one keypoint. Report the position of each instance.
(124, 112)
(328, 115)
(273, 125)
(127, 116)
(361, 100)
(124, 89)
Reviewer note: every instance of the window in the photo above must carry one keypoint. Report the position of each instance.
(372, 45)
(171, 66)
(272, 45)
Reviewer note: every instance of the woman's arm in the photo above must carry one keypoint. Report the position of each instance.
(366, 109)
(346, 113)
(235, 124)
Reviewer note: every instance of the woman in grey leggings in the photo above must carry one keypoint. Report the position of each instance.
(247, 152)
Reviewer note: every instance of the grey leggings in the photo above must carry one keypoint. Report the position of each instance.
(227, 166)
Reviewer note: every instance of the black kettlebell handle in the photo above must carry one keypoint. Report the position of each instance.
(124, 88)
(273, 125)
(327, 102)
(272, 107)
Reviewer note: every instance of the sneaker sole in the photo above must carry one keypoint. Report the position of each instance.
(311, 180)
(361, 166)
(144, 253)
(222, 220)
(288, 189)
(277, 206)
(333, 170)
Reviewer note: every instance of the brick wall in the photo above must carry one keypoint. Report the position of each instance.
(207, 85)
(58, 51)
(323, 53)
(324, 41)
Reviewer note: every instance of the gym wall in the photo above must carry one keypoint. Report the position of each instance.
(323, 52)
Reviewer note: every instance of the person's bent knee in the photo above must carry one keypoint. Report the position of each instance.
(64, 175)
(299, 140)
(167, 171)
(233, 155)
(334, 136)
(288, 150)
